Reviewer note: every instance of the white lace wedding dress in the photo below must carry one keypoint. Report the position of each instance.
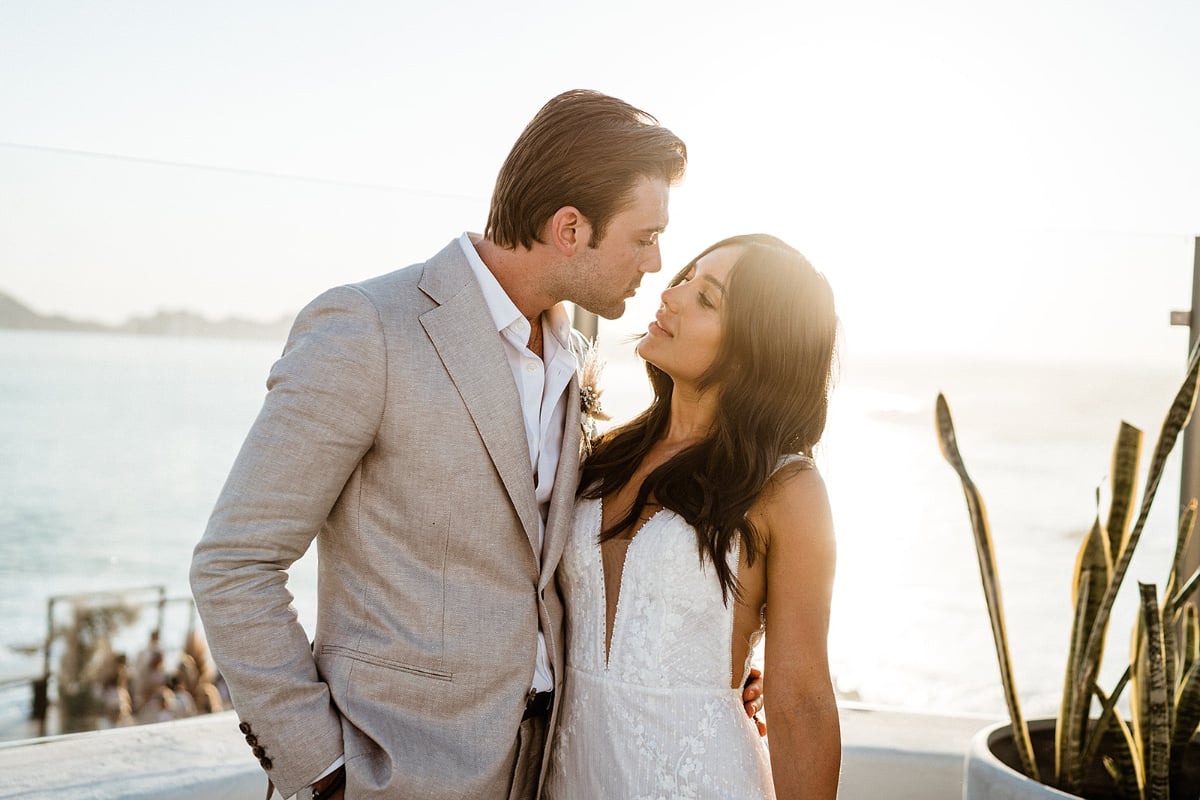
(659, 721)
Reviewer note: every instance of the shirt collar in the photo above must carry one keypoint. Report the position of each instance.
(503, 310)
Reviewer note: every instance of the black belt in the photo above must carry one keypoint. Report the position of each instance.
(537, 704)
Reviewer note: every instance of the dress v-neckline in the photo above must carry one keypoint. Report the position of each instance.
(609, 640)
(610, 636)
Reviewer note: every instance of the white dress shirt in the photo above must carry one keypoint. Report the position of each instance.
(541, 384)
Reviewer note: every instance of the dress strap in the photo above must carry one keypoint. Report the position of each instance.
(794, 458)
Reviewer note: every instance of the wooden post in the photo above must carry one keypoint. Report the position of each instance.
(41, 688)
(586, 322)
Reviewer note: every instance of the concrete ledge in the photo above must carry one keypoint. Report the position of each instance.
(904, 755)
(886, 753)
(200, 758)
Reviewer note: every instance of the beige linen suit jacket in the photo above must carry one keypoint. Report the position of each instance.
(392, 434)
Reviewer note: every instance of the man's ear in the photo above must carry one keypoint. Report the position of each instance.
(570, 232)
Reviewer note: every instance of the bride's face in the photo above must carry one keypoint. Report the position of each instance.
(685, 336)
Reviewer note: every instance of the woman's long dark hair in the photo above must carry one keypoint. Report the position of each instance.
(772, 372)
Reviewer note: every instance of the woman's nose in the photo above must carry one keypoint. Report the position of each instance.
(668, 297)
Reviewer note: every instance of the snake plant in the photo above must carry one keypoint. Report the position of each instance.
(1144, 755)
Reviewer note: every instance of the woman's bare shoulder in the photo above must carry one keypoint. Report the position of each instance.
(795, 504)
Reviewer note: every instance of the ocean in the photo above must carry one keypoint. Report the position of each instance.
(113, 449)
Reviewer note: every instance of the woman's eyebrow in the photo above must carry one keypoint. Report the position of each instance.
(714, 282)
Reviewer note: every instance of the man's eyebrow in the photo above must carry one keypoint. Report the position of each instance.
(659, 228)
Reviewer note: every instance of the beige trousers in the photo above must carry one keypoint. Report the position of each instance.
(531, 744)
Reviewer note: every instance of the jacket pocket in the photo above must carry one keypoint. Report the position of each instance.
(368, 658)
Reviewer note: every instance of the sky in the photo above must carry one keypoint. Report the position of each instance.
(1018, 179)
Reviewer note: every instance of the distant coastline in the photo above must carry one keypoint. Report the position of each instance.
(15, 315)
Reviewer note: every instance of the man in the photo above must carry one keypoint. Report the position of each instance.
(423, 427)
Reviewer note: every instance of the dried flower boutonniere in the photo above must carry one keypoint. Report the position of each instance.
(590, 412)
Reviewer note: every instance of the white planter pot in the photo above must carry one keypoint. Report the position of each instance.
(992, 768)
(989, 778)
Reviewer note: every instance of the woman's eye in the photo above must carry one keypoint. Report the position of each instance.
(704, 301)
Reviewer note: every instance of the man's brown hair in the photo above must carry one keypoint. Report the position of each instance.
(583, 149)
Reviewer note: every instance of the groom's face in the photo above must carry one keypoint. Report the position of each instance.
(607, 273)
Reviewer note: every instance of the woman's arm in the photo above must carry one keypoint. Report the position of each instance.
(805, 739)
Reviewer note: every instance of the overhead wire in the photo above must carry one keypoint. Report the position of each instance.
(258, 173)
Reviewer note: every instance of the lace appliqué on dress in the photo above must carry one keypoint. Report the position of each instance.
(659, 719)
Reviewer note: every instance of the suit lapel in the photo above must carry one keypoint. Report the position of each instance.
(566, 480)
(465, 337)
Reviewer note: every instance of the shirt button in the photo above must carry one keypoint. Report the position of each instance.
(530, 367)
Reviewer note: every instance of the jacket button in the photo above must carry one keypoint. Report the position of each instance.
(266, 762)
(251, 739)
(258, 752)
(244, 727)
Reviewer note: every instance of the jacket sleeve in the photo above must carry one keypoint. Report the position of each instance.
(322, 410)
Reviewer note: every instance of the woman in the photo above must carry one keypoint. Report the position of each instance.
(658, 641)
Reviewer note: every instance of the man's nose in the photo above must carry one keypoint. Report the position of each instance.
(653, 262)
